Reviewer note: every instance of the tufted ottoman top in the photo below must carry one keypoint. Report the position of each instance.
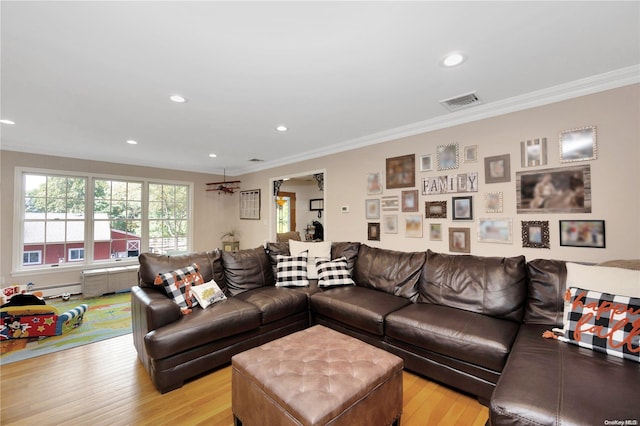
(317, 372)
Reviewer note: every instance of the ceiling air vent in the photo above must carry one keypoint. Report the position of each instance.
(256, 160)
(462, 101)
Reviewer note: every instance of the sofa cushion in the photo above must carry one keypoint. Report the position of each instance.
(275, 249)
(357, 307)
(246, 269)
(393, 272)
(546, 382)
(177, 285)
(227, 318)
(333, 272)
(292, 270)
(276, 303)
(603, 322)
(475, 338)
(545, 292)
(350, 252)
(208, 294)
(152, 264)
(495, 286)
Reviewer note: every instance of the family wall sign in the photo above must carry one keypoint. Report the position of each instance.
(463, 182)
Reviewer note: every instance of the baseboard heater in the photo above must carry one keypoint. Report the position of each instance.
(96, 282)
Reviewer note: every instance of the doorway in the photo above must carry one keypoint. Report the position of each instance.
(286, 213)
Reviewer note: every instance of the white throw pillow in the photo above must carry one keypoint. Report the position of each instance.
(320, 249)
(208, 293)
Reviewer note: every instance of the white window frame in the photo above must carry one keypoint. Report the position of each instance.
(76, 249)
(18, 269)
(30, 252)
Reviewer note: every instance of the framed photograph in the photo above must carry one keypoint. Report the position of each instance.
(497, 169)
(250, 204)
(316, 204)
(374, 183)
(413, 226)
(435, 231)
(372, 208)
(578, 144)
(448, 156)
(534, 152)
(557, 190)
(471, 154)
(535, 234)
(582, 233)
(390, 203)
(493, 202)
(401, 172)
(373, 231)
(435, 209)
(390, 223)
(426, 163)
(460, 240)
(410, 201)
(462, 208)
(495, 231)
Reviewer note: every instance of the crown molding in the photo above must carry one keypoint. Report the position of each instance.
(574, 89)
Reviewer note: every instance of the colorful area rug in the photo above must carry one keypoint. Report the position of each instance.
(107, 317)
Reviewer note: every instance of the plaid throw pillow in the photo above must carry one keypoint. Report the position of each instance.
(333, 272)
(177, 284)
(603, 322)
(292, 270)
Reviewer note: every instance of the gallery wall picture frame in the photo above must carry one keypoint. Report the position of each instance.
(462, 208)
(401, 172)
(470, 154)
(250, 204)
(460, 240)
(448, 156)
(426, 163)
(435, 209)
(374, 183)
(578, 144)
(535, 234)
(555, 190)
(533, 152)
(390, 223)
(410, 201)
(390, 203)
(495, 230)
(413, 226)
(493, 202)
(435, 231)
(372, 208)
(373, 231)
(582, 233)
(497, 169)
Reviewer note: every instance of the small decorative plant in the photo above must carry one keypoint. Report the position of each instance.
(230, 235)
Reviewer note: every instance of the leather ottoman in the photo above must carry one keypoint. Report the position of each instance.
(316, 377)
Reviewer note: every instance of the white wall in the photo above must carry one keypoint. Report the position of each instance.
(615, 178)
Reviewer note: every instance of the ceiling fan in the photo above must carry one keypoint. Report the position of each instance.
(225, 187)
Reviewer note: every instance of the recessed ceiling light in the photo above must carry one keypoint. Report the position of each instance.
(282, 128)
(212, 155)
(178, 99)
(132, 142)
(6, 121)
(453, 59)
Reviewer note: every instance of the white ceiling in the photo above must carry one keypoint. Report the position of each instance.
(80, 78)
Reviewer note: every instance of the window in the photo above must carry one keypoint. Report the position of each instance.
(76, 254)
(54, 216)
(32, 257)
(126, 216)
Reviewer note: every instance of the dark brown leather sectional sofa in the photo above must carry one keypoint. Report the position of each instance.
(470, 322)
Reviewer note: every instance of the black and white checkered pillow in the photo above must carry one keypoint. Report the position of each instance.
(177, 284)
(333, 272)
(603, 322)
(291, 271)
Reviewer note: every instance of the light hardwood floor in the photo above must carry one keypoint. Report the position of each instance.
(104, 384)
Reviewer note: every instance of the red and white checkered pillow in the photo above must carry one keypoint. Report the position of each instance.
(333, 272)
(603, 322)
(177, 284)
